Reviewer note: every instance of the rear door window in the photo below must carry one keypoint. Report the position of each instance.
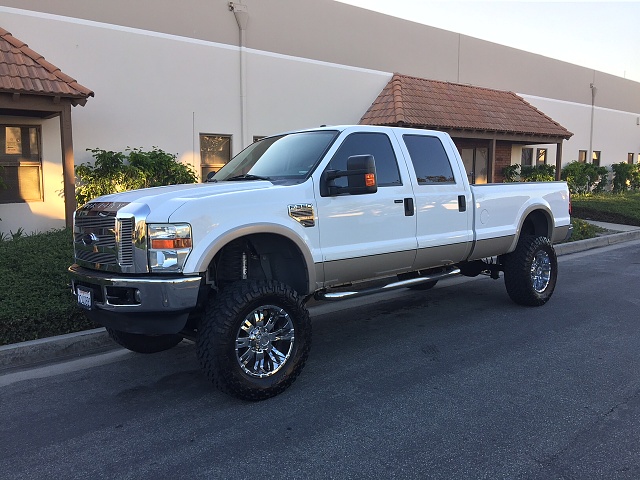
(429, 159)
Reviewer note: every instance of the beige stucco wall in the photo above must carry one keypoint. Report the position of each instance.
(338, 33)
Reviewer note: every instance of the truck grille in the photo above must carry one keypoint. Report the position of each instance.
(125, 235)
(101, 240)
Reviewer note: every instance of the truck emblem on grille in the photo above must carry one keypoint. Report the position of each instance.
(89, 239)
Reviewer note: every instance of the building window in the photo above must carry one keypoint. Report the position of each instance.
(527, 157)
(20, 164)
(215, 152)
(541, 156)
(582, 156)
(630, 158)
(596, 158)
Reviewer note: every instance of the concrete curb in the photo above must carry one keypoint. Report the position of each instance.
(73, 345)
(603, 241)
(52, 349)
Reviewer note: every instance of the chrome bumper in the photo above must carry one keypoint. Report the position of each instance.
(147, 305)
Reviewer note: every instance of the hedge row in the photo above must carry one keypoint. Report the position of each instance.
(35, 295)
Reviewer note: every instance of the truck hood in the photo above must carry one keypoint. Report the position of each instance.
(163, 201)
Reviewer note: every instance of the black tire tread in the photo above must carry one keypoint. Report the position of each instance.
(517, 275)
(218, 329)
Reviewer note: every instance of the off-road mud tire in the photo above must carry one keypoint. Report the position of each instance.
(531, 271)
(220, 329)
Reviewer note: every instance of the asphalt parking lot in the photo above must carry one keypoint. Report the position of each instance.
(456, 382)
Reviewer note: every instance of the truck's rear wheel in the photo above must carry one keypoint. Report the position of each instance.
(254, 339)
(530, 271)
(144, 343)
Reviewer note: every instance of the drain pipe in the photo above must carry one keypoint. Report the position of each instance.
(594, 90)
(242, 18)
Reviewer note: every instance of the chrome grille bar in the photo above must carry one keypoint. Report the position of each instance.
(125, 242)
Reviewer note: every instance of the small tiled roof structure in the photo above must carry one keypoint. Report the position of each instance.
(417, 102)
(33, 87)
(25, 71)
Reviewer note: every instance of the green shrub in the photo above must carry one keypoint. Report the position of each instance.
(583, 230)
(511, 173)
(621, 208)
(585, 177)
(538, 173)
(34, 288)
(114, 172)
(626, 177)
(529, 173)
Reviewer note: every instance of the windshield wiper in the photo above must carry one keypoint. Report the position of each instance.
(248, 176)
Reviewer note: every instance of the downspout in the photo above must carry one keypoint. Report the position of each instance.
(242, 18)
(594, 90)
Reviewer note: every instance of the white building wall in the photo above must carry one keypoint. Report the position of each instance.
(286, 93)
(615, 133)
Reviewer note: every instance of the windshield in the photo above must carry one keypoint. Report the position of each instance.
(286, 157)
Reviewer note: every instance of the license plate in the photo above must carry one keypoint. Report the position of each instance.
(85, 297)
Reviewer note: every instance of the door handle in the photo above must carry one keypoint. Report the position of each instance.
(462, 203)
(408, 207)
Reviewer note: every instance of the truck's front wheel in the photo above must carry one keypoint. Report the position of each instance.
(254, 339)
(144, 343)
(530, 271)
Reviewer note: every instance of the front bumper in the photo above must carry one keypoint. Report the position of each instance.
(145, 304)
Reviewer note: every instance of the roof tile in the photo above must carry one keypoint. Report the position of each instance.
(419, 102)
(23, 70)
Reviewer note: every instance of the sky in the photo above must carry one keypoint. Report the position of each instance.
(604, 36)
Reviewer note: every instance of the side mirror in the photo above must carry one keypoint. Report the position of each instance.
(361, 177)
(210, 176)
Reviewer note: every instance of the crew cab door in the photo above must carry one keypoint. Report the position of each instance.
(369, 235)
(444, 205)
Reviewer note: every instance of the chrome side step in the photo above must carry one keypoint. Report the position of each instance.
(327, 295)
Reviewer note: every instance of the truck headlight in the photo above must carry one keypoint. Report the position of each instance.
(169, 246)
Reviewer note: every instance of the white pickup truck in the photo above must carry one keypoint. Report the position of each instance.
(330, 213)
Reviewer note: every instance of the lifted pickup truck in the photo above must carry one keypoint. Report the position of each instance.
(232, 262)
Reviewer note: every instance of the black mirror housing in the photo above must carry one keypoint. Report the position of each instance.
(361, 177)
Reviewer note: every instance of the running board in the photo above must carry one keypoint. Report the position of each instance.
(325, 295)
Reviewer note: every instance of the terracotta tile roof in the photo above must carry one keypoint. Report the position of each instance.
(417, 102)
(24, 71)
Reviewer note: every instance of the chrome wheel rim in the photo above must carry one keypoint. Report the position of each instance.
(541, 271)
(264, 341)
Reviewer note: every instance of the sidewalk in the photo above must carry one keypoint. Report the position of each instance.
(89, 342)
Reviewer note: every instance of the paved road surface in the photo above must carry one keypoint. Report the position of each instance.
(453, 383)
